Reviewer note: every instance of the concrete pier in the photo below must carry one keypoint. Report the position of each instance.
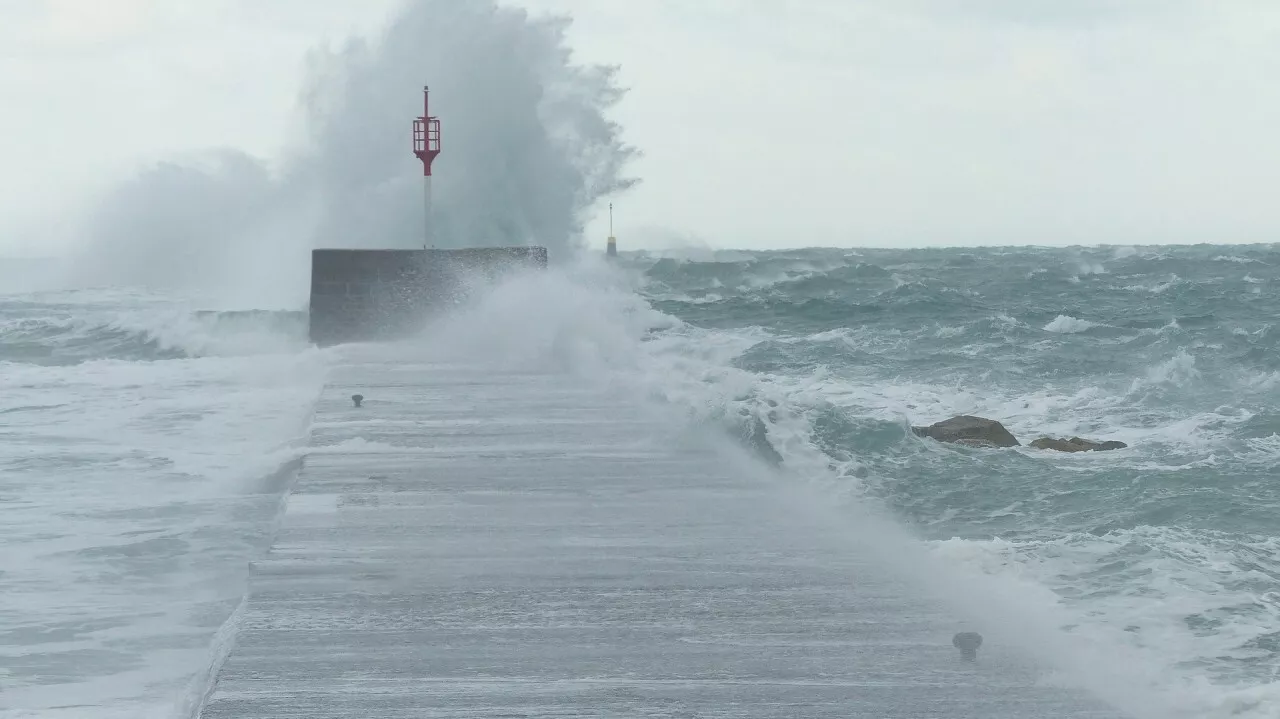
(478, 542)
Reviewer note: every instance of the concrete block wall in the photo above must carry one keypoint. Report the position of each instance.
(374, 295)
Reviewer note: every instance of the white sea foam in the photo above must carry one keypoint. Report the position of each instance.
(1237, 259)
(1066, 324)
(1178, 371)
(707, 299)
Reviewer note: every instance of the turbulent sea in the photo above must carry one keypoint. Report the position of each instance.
(149, 441)
(1169, 546)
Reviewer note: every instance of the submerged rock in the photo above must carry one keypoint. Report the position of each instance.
(970, 431)
(1075, 444)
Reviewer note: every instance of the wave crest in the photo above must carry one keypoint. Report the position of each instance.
(62, 340)
(1066, 324)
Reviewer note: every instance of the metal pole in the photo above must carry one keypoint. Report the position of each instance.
(611, 249)
(427, 229)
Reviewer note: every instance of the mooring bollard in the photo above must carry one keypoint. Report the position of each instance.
(967, 643)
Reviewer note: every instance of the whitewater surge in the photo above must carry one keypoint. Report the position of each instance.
(147, 451)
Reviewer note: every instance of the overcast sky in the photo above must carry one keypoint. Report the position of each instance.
(764, 123)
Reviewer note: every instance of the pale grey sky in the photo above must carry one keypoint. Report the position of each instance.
(763, 123)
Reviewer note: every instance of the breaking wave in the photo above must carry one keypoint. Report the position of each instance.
(77, 337)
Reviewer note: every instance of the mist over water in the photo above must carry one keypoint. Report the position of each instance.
(527, 148)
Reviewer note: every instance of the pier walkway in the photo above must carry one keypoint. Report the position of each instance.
(476, 542)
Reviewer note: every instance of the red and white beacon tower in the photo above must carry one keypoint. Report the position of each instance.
(426, 145)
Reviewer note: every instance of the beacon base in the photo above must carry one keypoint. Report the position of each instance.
(380, 295)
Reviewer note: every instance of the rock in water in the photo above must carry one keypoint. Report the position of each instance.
(979, 443)
(972, 431)
(1075, 444)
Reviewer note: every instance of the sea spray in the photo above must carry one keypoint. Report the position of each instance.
(530, 149)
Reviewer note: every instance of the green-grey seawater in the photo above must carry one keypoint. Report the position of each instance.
(1171, 543)
(155, 423)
